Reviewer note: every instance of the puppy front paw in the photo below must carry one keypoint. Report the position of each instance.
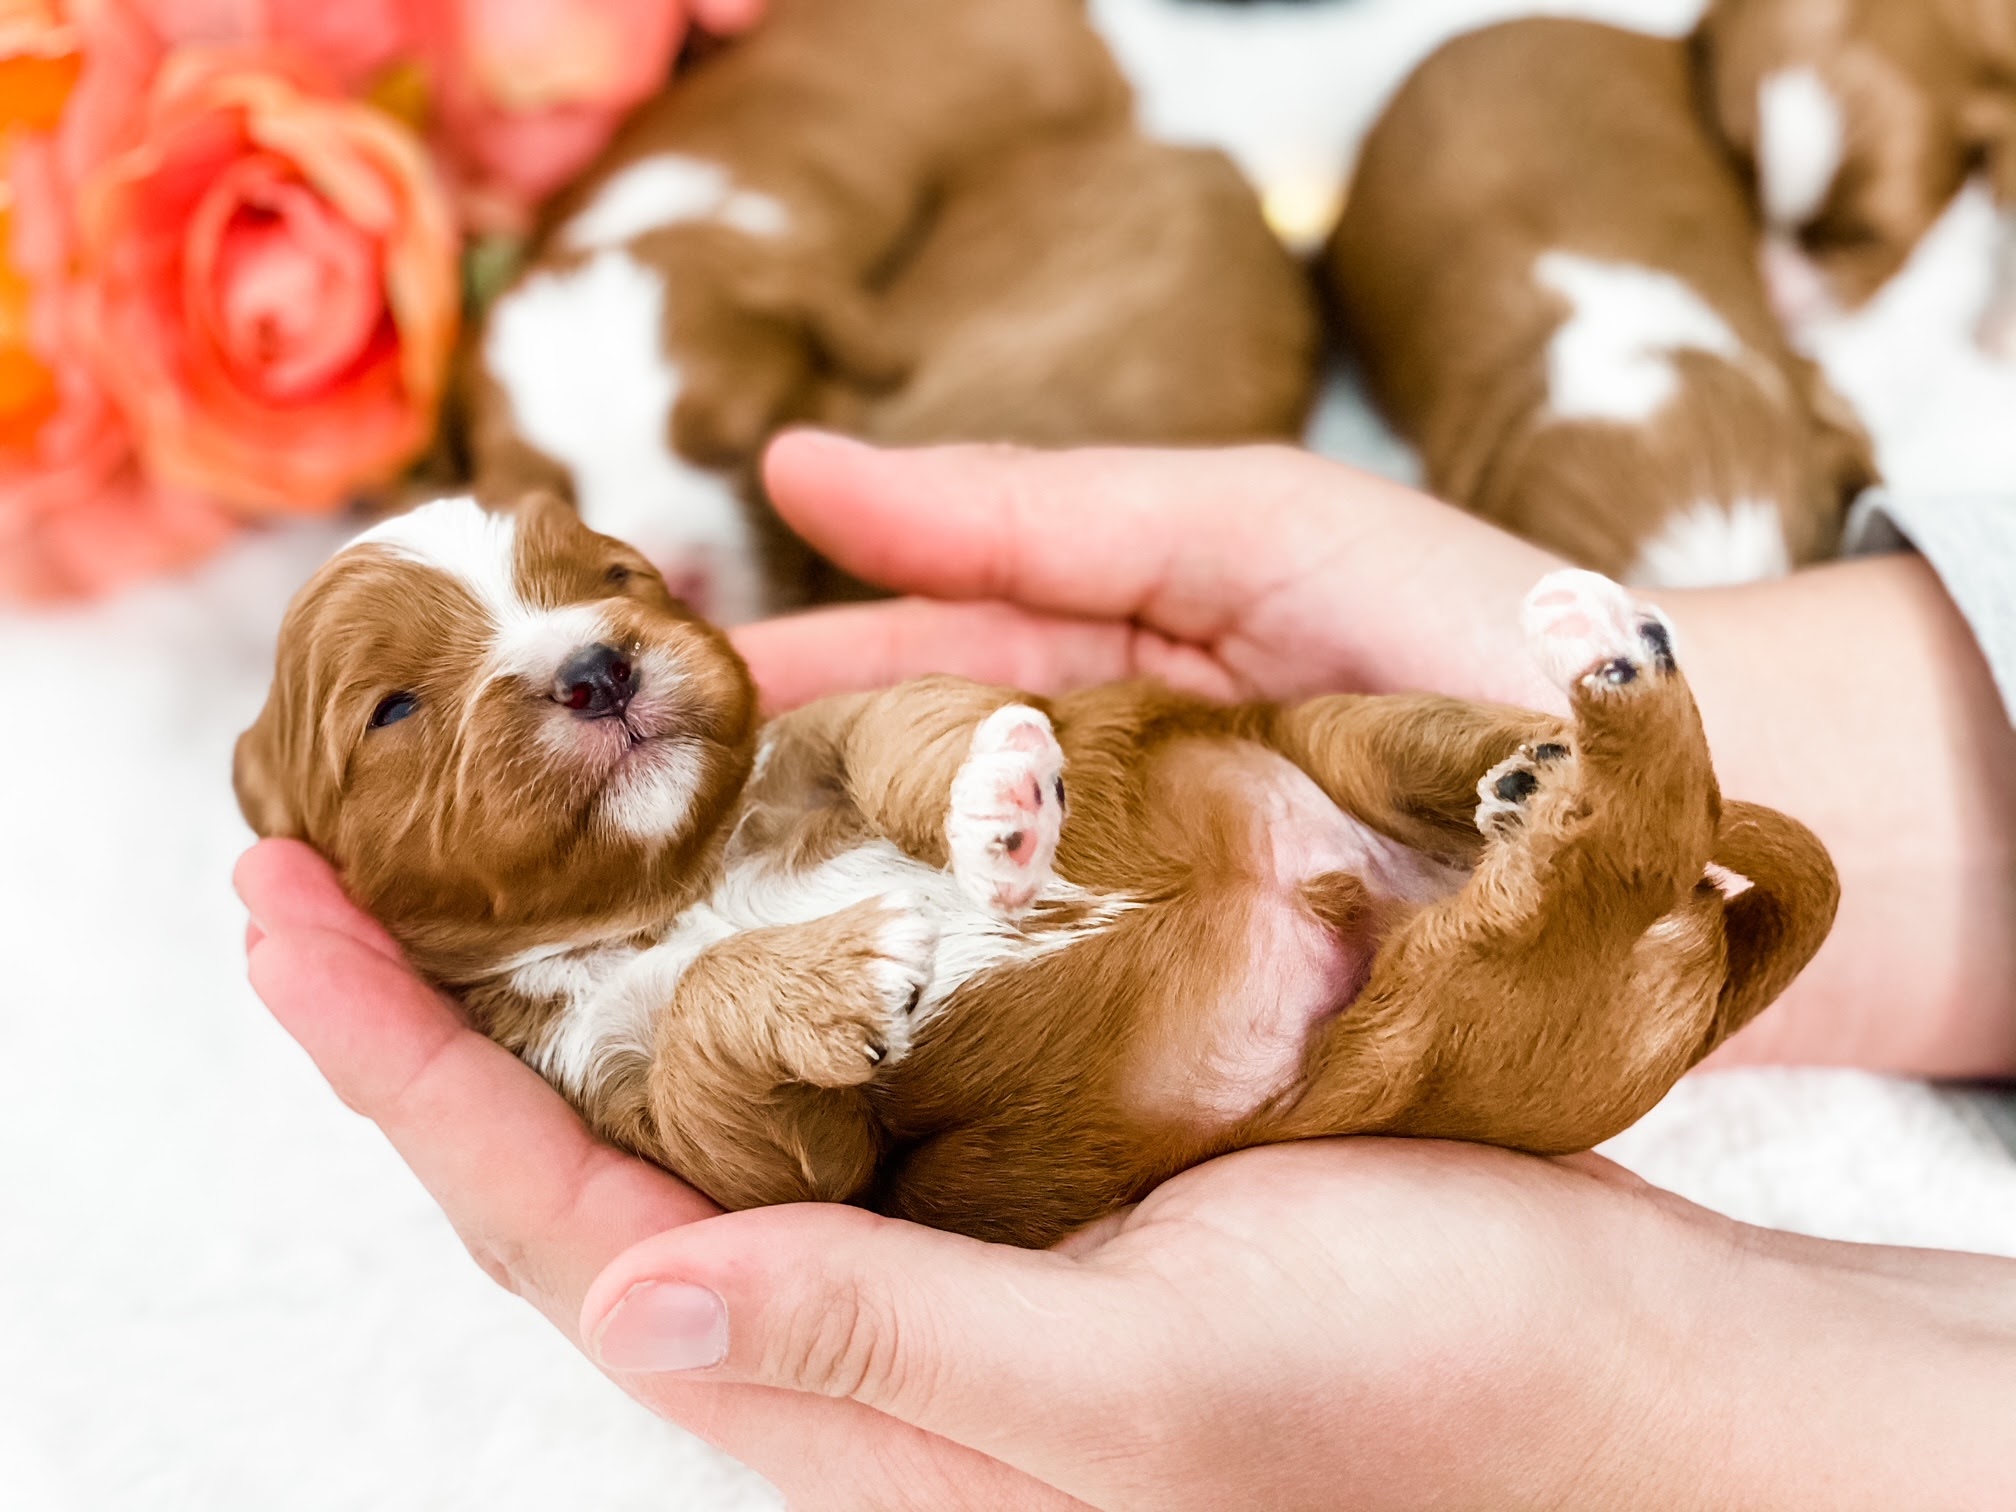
(1007, 810)
(861, 1019)
(1588, 632)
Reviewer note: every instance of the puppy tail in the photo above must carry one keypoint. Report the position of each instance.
(1776, 925)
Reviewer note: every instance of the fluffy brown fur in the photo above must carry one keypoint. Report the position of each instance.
(1545, 137)
(977, 244)
(1261, 922)
(1928, 92)
(1093, 287)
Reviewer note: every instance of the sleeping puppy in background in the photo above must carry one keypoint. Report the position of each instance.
(1096, 287)
(933, 221)
(999, 963)
(1549, 271)
(689, 294)
(1859, 120)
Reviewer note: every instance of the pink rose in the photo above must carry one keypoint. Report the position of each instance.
(351, 40)
(527, 92)
(76, 516)
(267, 285)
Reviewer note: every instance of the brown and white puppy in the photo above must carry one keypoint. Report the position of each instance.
(867, 952)
(691, 293)
(1549, 271)
(1859, 120)
(1094, 286)
(928, 220)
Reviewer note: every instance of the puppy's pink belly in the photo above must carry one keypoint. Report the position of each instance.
(1297, 973)
(1226, 1059)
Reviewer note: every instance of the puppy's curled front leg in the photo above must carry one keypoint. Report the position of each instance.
(955, 773)
(759, 1069)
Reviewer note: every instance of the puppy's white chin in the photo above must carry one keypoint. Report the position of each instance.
(650, 796)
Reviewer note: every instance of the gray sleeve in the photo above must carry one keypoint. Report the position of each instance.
(1970, 541)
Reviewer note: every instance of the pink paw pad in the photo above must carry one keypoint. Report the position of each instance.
(1585, 630)
(1007, 810)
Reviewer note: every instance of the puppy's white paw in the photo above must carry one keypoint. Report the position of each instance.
(906, 951)
(1584, 629)
(1007, 809)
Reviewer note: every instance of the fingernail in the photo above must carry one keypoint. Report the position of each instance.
(664, 1325)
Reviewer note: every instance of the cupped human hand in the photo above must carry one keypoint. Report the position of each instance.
(1326, 1324)
(541, 1204)
(1257, 572)
(1360, 1323)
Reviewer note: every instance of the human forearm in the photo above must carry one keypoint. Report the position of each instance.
(1854, 698)
(1847, 1377)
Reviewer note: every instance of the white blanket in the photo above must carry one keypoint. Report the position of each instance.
(221, 1292)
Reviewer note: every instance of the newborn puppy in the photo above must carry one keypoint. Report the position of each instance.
(999, 963)
(1549, 270)
(695, 289)
(923, 222)
(1859, 120)
(1094, 287)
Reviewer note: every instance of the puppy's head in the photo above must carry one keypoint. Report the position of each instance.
(1857, 122)
(501, 729)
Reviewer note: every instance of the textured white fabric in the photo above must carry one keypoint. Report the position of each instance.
(221, 1292)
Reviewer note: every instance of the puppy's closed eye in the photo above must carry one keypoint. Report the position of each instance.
(393, 708)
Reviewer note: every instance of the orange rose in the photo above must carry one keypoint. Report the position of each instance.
(268, 284)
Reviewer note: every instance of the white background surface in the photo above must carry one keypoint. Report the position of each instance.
(221, 1292)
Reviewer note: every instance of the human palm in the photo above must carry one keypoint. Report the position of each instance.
(1363, 1322)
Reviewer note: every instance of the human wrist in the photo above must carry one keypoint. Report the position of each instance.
(1871, 658)
(1804, 1373)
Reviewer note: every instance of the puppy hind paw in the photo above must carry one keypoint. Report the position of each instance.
(1506, 792)
(1586, 631)
(1007, 810)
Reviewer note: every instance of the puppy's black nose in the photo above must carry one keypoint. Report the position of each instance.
(596, 682)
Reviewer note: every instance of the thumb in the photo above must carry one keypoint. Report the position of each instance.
(1011, 1352)
(1184, 542)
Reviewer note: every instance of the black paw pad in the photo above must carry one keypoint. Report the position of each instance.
(1516, 786)
(1618, 673)
(1660, 639)
(916, 997)
(1550, 751)
(1059, 788)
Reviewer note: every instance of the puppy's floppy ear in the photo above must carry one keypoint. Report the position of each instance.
(257, 778)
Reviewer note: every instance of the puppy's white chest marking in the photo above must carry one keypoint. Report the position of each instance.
(670, 189)
(1802, 138)
(612, 999)
(1612, 358)
(580, 354)
(1712, 544)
